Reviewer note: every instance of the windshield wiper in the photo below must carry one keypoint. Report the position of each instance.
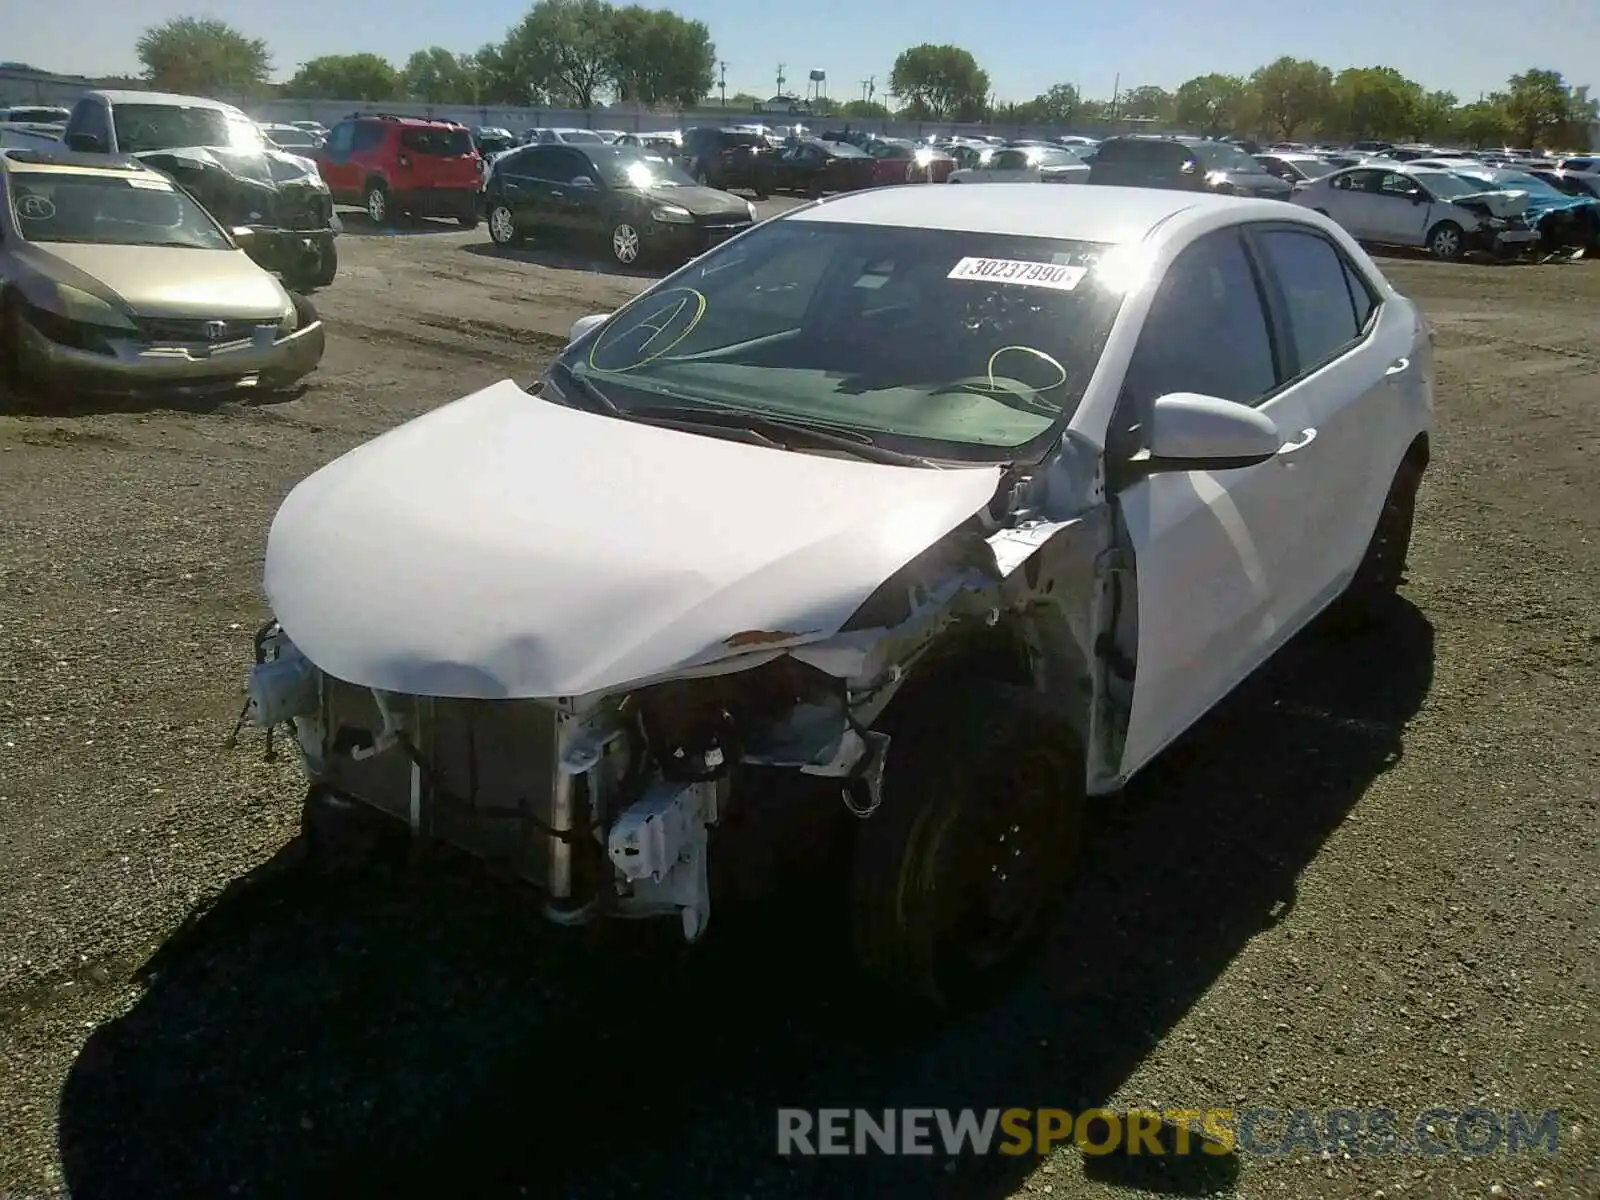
(597, 399)
(779, 431)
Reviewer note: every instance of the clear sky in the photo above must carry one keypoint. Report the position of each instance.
(1465, 46)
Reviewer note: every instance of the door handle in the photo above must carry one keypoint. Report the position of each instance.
(1397, 366)
(1307, 436)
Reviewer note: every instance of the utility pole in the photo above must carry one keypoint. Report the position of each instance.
(1116, 93)
(780, 79)
(722, 82)
(868, 87)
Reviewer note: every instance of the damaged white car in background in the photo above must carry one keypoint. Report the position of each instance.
(913, 516)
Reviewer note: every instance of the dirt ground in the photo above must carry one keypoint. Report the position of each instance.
(1370, 879)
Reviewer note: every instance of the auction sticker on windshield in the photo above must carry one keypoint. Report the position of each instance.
(1013, 270)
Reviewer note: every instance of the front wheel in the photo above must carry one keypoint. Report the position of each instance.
(327, 267)
(626, 244)
(1383, 567)
(1445, 241)
(503, 226)
(957, 878)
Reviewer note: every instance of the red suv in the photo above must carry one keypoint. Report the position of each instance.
(393, 165)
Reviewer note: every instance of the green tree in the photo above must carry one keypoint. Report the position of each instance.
(1059, 106)
(1543, 110)
(440, 77)
(1213, 103)
(1374, 102)
(1436, 116)
(345, 77)
(203, 56)
(940, 83)
(1147, 102)
(503, 79)
(1483, 123)
(565, 49)
(659, 58)
(1289, 93)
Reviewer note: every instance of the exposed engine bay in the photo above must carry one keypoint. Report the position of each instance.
(613, 804)
(280, 197)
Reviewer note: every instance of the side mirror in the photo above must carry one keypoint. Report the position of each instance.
(584, 324)
(1191, 432)
(583, 181)
(243, 235)
(86, 143)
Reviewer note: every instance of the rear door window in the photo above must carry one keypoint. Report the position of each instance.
(439, 143)
(1311, 273)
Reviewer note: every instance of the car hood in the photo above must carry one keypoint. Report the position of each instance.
(504, 546)
(164, 281)
(702, 201)
(1498, 204)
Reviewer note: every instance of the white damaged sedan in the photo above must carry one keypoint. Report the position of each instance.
(907, 519)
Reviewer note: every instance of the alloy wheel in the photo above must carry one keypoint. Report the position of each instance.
(502, 227)
(625, 244)
(377, 206)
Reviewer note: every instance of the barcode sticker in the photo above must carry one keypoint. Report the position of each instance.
(1012, 270)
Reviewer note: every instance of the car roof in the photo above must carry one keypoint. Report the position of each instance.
(1093, 214)
(163, 99)
(74, 162)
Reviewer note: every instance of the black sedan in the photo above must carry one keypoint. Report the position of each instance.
(812, 167)
(641, 207)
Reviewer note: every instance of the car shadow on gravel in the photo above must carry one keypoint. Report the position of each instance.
(415, 1030)
(39, 402)
(567, 258)
(356, 223)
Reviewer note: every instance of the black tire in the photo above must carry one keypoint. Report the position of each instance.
(986, 777)
(1383, 567)
(1446, 242)
(503, 229)
(468, 222)
(327, 266)
(379, 209)
(10, 347)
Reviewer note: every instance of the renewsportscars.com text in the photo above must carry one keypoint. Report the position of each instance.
(1255, 1131)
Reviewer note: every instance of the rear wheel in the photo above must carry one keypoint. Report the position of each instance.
(956, 880)
(468, 222)
(379, 211)
(503, 226)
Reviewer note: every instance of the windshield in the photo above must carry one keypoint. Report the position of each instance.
(1447, 186)
(842, 150)
(636, 171)
(143, 127)
(581, 137)
(955, 344)
(1225, 156)
(110, 210)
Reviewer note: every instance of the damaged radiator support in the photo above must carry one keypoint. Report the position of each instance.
(576, 804)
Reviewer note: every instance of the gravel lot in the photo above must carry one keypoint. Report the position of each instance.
(1370, 879)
